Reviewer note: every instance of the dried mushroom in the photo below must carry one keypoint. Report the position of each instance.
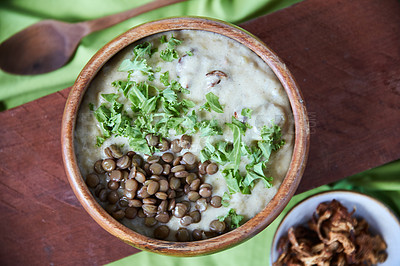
(214, 77)
(333, 237)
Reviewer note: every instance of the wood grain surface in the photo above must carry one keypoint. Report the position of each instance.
(345, 56)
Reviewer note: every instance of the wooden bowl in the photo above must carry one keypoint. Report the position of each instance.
(247, 230)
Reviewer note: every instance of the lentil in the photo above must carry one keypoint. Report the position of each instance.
(161, 232)
(151, 192)
(182, 235)
(212, 168)
(108, 165)
(175, 147)
(124, 162)
(92, 180)
(186, 141)
(98, 168)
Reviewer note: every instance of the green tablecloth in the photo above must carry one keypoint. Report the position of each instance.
(382, 183)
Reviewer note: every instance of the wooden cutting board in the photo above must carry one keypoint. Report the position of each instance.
(344, 54)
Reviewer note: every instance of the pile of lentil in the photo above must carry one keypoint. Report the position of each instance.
(155, 188)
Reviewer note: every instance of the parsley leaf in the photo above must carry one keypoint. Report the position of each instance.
(242, 126)
(246, 112)
(236, 154)
(123, 86)
(220, 152)
(138, 65)
(164, 78)
(190, 121)
(210, 128)
(273, 136)
(163, 39)
(225, 199)
(138, 94)
(169, 54)
(170, 95)
(111, 97)
(139, 145)
(254, 173)
(110, 117)
(139, 62)
(212, 103)
(232, 217)
(149, 105)
(232, 153)
(143, 49)
(173, 42)
(99, 141)
(233, 180)
(176, 86)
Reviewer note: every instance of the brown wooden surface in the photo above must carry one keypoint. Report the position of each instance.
(345, 56)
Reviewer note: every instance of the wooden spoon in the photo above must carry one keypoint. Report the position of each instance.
(49, 44)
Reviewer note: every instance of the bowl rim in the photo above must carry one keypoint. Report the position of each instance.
(251, 227)
(334, 192)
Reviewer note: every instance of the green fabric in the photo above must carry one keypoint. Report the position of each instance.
(15, 15)
(382, 183)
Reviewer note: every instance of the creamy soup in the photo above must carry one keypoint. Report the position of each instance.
(232, 97)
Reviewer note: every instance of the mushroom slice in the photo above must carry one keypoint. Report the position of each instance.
(344, 240)
(214, 77)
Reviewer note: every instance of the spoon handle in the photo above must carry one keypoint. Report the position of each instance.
(108, 21)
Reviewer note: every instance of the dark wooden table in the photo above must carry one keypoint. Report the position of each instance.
(345, 56)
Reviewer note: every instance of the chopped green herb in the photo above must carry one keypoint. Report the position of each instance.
(242, 126)
(212, 103)
(236, 154)
(246, 112)
(111, 97)
(189, 53)
(220, 152)
(164, 78)
(110, 117)
(233, 180)
(173, 42)
(169, 54)
(163, 39)
(232, 217)
(230, 154)
(190, 122)
(225, 199)
(142, 50)
(136, 65)
(139, 61)
(149, 105)
(170, 95)
(91, 106)
(139, 145)
(176, 86)
(273, 135)
(254, 173)
(210, 128)
(123, 86)
(99, 141)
